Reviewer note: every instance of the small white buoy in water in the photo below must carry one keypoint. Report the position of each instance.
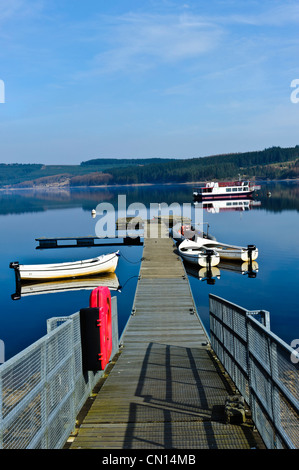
(93, 213)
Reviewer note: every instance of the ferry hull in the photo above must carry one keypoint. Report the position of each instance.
(210, 197)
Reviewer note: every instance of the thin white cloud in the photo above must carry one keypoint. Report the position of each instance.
(9, 8)
(281, 15)
(137, 42)
(14, 9)
(285, 13)
(142, 41)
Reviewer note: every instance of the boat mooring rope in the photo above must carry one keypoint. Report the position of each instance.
(132, 262)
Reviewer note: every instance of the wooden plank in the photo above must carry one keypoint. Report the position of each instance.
(165, 391)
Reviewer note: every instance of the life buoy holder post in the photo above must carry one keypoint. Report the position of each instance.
(96, 330)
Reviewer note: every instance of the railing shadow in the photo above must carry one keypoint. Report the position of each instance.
(183, 401)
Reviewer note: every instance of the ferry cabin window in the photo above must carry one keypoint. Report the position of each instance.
(245, 188)
(239, 189)
(235, 189)
(228, 190)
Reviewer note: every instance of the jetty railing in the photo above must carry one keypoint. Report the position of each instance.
(261, 366)
(43, 388)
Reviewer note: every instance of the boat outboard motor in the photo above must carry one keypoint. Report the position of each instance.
(15, 265)
(250, 249)
(209, 254)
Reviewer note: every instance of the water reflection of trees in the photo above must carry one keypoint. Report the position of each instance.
(278, 197)
(22, 201)
(284, 196)
(18, 202)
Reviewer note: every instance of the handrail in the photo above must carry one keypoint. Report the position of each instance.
(270, 382)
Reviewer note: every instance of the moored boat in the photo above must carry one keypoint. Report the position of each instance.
(225, 190)
(229, 252)
(101, 264)
(181, 232)
(199, 255)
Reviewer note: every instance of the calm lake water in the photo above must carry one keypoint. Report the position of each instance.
(271, 223)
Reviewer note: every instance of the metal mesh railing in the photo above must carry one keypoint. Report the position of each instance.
(260, 365)
(43, 388)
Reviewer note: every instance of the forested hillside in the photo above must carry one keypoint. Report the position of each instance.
(272, 163)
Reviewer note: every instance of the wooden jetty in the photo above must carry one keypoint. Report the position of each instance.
(165, 390)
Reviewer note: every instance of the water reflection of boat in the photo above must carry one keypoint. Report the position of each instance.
(24, 289)
(209, 274)
(241, 205)
(250, 268)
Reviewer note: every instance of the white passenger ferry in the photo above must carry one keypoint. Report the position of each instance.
(225, 190)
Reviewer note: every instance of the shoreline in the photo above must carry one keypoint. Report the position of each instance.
(106, 186)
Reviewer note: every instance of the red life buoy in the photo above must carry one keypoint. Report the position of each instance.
(101, 298)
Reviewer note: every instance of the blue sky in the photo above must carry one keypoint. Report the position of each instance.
(146, 78)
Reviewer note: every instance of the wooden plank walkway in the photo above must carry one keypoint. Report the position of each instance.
(165, 390)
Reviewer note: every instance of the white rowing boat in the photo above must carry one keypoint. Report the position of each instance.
(229, 252)
(199, 255)
(89, 267)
